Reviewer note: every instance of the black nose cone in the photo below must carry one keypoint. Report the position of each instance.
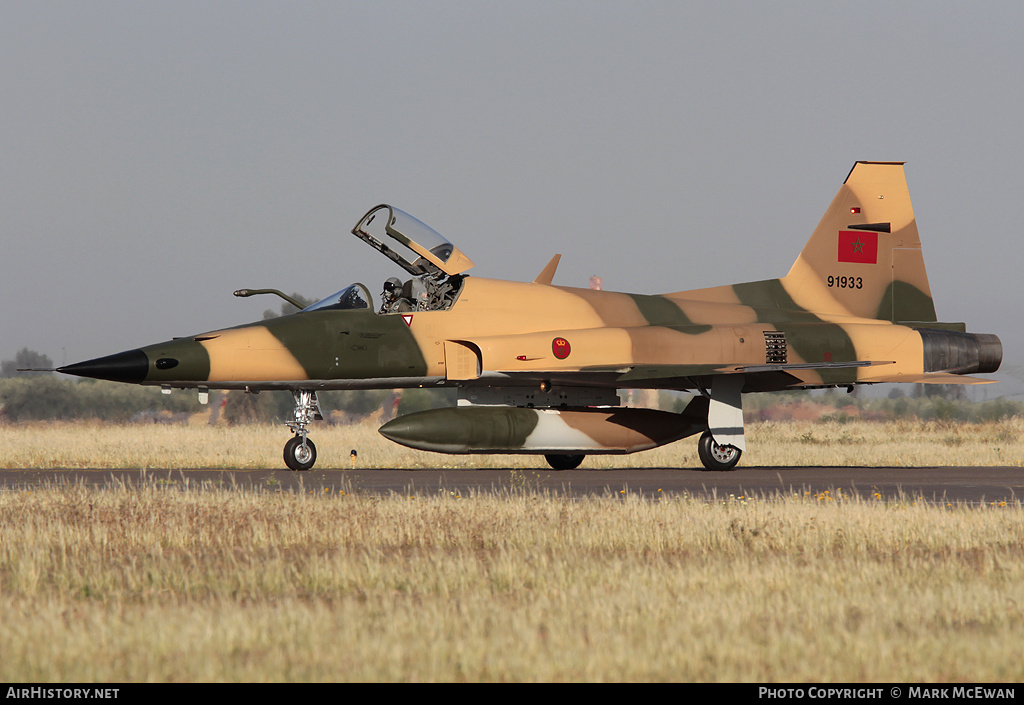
(130, 366)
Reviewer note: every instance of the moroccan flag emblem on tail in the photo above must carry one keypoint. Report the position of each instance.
(859, 247)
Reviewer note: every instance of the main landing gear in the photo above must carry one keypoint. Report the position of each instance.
(299, 451)
(564, 462)
(717, 457)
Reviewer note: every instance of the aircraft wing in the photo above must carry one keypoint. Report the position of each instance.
(649, 372)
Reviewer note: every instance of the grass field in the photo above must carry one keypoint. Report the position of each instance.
(160, 583)
(154, 583)
(907, 443)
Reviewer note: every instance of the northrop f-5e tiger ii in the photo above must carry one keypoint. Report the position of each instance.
(538, 367)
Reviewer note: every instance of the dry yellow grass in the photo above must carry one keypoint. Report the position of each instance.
(791, 443)
(159, 584)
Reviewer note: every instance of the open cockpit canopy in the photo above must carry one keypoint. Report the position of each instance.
(415, 246)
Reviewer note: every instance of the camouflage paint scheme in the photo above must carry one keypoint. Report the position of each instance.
(855, 308)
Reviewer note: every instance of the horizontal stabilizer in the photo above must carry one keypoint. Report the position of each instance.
(934, 378)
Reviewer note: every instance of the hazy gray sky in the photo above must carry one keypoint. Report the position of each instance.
(157, 156)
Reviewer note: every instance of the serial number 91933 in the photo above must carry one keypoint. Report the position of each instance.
(845, 282)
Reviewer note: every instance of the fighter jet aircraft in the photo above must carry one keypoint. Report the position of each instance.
(538, 367)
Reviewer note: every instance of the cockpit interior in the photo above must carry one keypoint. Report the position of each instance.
(434, 264)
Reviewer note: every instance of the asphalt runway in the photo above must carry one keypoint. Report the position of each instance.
(974, 485)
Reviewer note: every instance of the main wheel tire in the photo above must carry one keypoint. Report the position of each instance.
(298, 457)
(717, 457)
(564, 462)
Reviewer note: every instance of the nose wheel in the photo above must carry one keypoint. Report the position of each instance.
(299, 451)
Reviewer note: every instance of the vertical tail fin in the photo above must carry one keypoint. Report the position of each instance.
(864, 258)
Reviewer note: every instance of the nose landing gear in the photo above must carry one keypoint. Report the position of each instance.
(299, 451)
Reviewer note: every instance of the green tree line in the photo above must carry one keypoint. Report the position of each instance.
(24, 359)
(48, 397)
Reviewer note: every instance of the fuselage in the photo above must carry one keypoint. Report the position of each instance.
(511, 328)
